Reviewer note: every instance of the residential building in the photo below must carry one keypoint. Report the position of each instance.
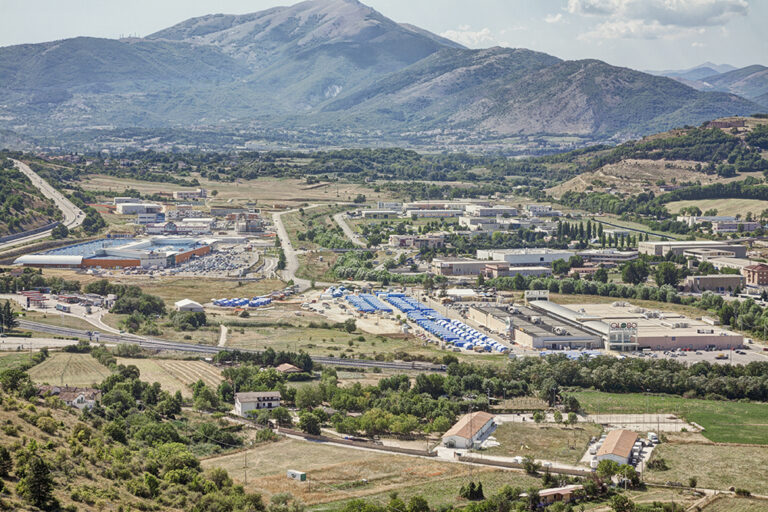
(255, 401)
(718, 283)
(81, 398)
(288, 368)
(556, 494)
(470, 430)
(188, 305)
(523, 257)
(617, 446)
(678, 247)
(756, 275)
(736, 226)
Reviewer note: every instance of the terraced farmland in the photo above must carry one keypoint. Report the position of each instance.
(175, 375)
(63, 368)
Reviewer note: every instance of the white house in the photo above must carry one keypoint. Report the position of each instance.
(256, 400)
(470, 430)
(188, 305)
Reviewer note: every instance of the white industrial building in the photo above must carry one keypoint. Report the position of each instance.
(189, 306)
(424, 214)
(136, 208)
(521, 257)
(256, 401)
(470, 430)
(476, 210)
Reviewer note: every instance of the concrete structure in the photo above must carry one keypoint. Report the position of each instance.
(246, 226)
(256, 401)
(150, 218)
(504, 269)
(678, 247)
(708, 254)
(458, 266)
(122, 200)
(379, 214)
(416, 241)
(493, 318)
(186, 195)
(188, 306)
(695, 220)
(734, 263)
(184, 212)
(429, 213)
(617, 446)
(470, 430)
(624, 327)
(718, 283)
(523, 257)
(389, 205)
(756, 275)
(479, 223)
(609, 256)
(136, 208)
(535, 329)
(201, 226)
(476, 210)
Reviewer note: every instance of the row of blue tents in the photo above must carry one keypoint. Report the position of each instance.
(255, 302)
(367, 303)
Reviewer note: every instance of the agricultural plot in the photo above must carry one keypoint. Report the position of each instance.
(545, 442)
(736, 504)
(723, 422)
(714, 467)
(63, 369)
(729, 206)
(175, 375)
(338, 474)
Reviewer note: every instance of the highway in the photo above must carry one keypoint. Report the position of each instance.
(73, 216)
(159, 344)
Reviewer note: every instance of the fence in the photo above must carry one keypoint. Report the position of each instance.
(515, 465)
(358, 444)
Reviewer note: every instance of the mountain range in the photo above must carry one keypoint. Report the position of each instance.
(750, 82)
(340, 66)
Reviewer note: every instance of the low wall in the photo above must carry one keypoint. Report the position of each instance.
(358, 444)
(8, 238)
(514, 465)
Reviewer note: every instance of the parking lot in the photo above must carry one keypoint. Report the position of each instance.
(739, 356)
(231, 261)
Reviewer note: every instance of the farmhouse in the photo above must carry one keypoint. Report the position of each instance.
(469, 430)
(288, 368)
(563, 494)
(617, 446)
(82, 398)
(256, 400)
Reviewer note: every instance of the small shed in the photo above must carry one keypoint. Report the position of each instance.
(297, 475)
(189, 306)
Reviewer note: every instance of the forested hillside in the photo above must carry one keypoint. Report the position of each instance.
(22, 207)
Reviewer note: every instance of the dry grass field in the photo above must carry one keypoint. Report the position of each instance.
(264, 190)
(546, 441)
(175, 375)
(727, 504)
(69, 369)
(723, 206)
(715, 467)
(336, 473)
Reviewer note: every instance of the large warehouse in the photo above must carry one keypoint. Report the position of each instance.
(625, 327)
(159, 252)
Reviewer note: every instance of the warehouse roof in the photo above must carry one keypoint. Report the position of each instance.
(469, 425)
(48, 259)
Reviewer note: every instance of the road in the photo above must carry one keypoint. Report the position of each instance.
(354, 237)
(175, 346)
(291, 256)
(73, 216)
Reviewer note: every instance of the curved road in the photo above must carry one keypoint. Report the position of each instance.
(73, 216)
(354, 237)
(291, 256)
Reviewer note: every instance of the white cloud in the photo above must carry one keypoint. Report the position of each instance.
(698, 44)
(468, 37)
(554, 18)
(651, 19)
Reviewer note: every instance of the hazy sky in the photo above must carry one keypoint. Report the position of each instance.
(643, 34)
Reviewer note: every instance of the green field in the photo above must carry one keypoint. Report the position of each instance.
(9, 360)
(547, 441)
(723, 206)
(63, 368)
(724, 422)
(174, 374)
(714, 467)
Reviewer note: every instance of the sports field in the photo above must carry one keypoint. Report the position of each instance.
(724, 422)
(546, 442)
(62, 368)
(175, 375)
